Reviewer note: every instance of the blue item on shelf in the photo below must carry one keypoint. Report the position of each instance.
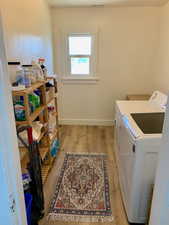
(19, 111)
(23, 80)
(28, 203)
(57, 143)
(37, 92)
(26, 181)
(55, 147)
(22, 99)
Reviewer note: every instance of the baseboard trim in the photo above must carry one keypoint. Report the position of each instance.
(89, 122)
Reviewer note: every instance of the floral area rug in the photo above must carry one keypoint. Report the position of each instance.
(82, 190)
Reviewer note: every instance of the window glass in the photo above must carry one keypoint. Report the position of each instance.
(79, 45)
(80, 65)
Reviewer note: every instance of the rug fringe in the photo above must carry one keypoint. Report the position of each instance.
(77, 218)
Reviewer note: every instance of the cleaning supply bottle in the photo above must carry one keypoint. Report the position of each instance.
(19, 111)
(37, 71)
(41, 63)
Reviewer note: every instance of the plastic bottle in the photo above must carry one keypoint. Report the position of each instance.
(37, 71)
(19, 111)
(34, 101)
(27, 74)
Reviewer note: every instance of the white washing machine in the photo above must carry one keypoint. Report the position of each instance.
(138, 134)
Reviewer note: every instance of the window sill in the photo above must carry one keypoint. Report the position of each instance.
(76, 80)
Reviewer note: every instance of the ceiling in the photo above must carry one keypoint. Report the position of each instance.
(99, 3)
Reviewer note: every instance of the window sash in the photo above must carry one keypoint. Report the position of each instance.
(92, 58)
(80, 56)
(81, 35)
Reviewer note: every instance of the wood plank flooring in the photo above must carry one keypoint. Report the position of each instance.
(88, 139)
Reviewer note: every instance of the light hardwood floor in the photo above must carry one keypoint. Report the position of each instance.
(88, 139)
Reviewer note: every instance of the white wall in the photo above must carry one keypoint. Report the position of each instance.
(161, 66)
(128, 39)
(10, 172)
(27, 28)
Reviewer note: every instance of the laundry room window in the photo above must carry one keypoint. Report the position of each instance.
(80, 56)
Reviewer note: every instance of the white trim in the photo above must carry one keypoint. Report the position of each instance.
(65, 56)
(89, 122)
(122, 3)
(90, 56)
(78, 80)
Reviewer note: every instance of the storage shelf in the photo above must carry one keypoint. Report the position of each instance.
(42, 135)
(50, 100)
(32, 116)
(43, 152)
(38, 140)
(54, 113)
(46, 170)
(22, 122)
(36, 113)
(31, 89)
(53, 136)
(42, 113)
(24, 157)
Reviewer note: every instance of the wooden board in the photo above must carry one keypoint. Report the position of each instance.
(29, 89)
(51, 99)
(24, 157)
(42, 135)
(43, 152)
(46, 170)
(138, 97)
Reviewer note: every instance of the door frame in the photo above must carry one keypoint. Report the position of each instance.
(12, 206)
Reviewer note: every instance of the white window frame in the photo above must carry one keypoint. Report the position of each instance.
(67, 76)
